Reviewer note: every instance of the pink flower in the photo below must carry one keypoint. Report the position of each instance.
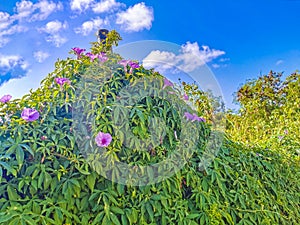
(167, 83)
(62, 80)
(286, 132)
(185, 97)
(91, 56)
(133, 65)
(124, 63)
(197, 118)
(43, 138)
(188, 116)
(5, 98)
(102, 57)
(193, 117)
(103, 139)
(30, 114)
(78, 51)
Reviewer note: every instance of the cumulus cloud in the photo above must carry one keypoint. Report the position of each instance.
(54, 26)
(56, 39)
(136, 18)
(190, 58)
(105, 6)
(26, 10)
(12, 66)
(160, 59)
(87, 27)
(23, 9)
(80, 5)
(40, 56)
(53, 29)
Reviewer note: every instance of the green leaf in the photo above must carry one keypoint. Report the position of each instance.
(91, 179)
(9, 168)
(114, 219)
(12, 193)
(117, 210)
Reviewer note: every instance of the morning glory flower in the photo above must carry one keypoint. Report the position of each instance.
(78, 51)
(280, 137)
(91, 56)
(188, 116)
(286, 132)
(124, 63)
(103, 139)
(102, 57)
(193, 117)
(167, 83)
(197, 118)
(30, 114)
(133, 65)
(185, 97)
(5, 98)
(62, 80)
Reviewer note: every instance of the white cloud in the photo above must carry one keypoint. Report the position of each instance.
(9, 61)
(224, 59)
(40, 56)
(105, 6)
(189, 59)
(45, 9)
(24, 9)
(54, 26)
(3, 41)
(80, 5)
(56, 39)
(87, 27)
(12, 66)
(5, 20)
(215, 65)
(136, 18)
(280, 61)
(10, 31)
(192, 56)
(162, 59)
(35, 11)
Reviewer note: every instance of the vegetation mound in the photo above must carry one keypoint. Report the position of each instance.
(53, 139)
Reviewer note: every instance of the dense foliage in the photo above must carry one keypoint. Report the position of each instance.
(49, 176)
(269, 114)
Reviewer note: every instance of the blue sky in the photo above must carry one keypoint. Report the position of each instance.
(237, 40)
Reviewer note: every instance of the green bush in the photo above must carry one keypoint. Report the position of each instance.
(48, 165)
(269, 114)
